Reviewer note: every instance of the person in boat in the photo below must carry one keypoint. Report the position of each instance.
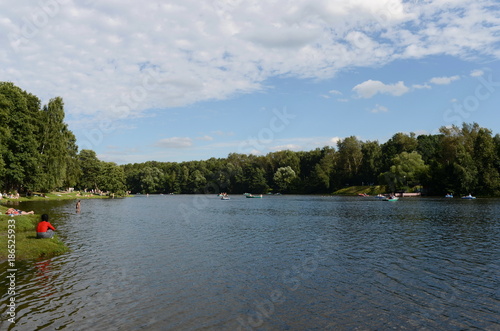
(44, 229)
(12, 211)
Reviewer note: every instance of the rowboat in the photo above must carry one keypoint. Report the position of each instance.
(253, 196)
(391, 199)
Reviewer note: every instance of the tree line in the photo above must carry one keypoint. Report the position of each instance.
(457, 160)
(38, 153)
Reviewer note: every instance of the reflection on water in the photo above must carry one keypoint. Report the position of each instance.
(287, 262)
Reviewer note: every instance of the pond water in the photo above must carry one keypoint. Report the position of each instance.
(183, 262)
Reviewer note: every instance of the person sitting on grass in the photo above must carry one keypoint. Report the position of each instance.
(12, 211)
(44, 229)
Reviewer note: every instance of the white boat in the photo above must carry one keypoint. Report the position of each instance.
(468, 197)
(253, 196)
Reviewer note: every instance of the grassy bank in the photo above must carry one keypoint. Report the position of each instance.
(26, 244)
(355, 190)
(56, 196)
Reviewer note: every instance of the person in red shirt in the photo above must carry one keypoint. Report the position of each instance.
(44, 229)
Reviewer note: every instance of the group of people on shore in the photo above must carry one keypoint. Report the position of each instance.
(44, 230)
(9, 195)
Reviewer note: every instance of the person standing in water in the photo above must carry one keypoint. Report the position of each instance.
(78, 205)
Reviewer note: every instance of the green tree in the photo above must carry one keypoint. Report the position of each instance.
(320, 178)
(196, 182)
(151, 179)
(283, 177)
(112, 179)
(408, 169)
(4, 133)
(56, 148)
(371, 164)
(20, 155)
(90, 167)
(399, 143)
(349, 158)
(485, 157)
(254, 179)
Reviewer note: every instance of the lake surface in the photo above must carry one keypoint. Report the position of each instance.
(180, 262)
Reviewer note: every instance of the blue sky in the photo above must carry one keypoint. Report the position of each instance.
(177, 82)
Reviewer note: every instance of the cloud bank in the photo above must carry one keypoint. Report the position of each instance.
(114, 59)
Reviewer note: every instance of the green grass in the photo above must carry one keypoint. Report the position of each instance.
(56, 196)
(27, 246)
(26, 243)
(355, 190)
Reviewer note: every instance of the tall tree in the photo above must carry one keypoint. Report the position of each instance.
(399, 143)
(151, 179)
(54, 147)
(408, 169)
(20, 156)
(283, 177)
(349, 158)
(371, 164)
(112, 179)
(91, 168)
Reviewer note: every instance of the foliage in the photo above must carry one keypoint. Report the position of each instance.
(39, 153)
(283, 177)
(407, 169)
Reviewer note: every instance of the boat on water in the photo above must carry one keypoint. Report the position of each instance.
(363, 195)
(468, 197)
(225, 198)
(449, 195)
(253, 196)
(390, 198)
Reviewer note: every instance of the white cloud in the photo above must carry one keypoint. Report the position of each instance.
(444, 80)
(205, 138)
(291, 147)
(175, 142)
(111, 59)
(421, 86)
(330, 93)
(379, 109)
(477, 73)
(304, 144)
(370, 87)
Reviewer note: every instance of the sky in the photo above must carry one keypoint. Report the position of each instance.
(176, 81)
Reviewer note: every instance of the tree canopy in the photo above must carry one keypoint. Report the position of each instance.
(39, 153)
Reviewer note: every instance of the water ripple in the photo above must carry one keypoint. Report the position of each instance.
(289, 262)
